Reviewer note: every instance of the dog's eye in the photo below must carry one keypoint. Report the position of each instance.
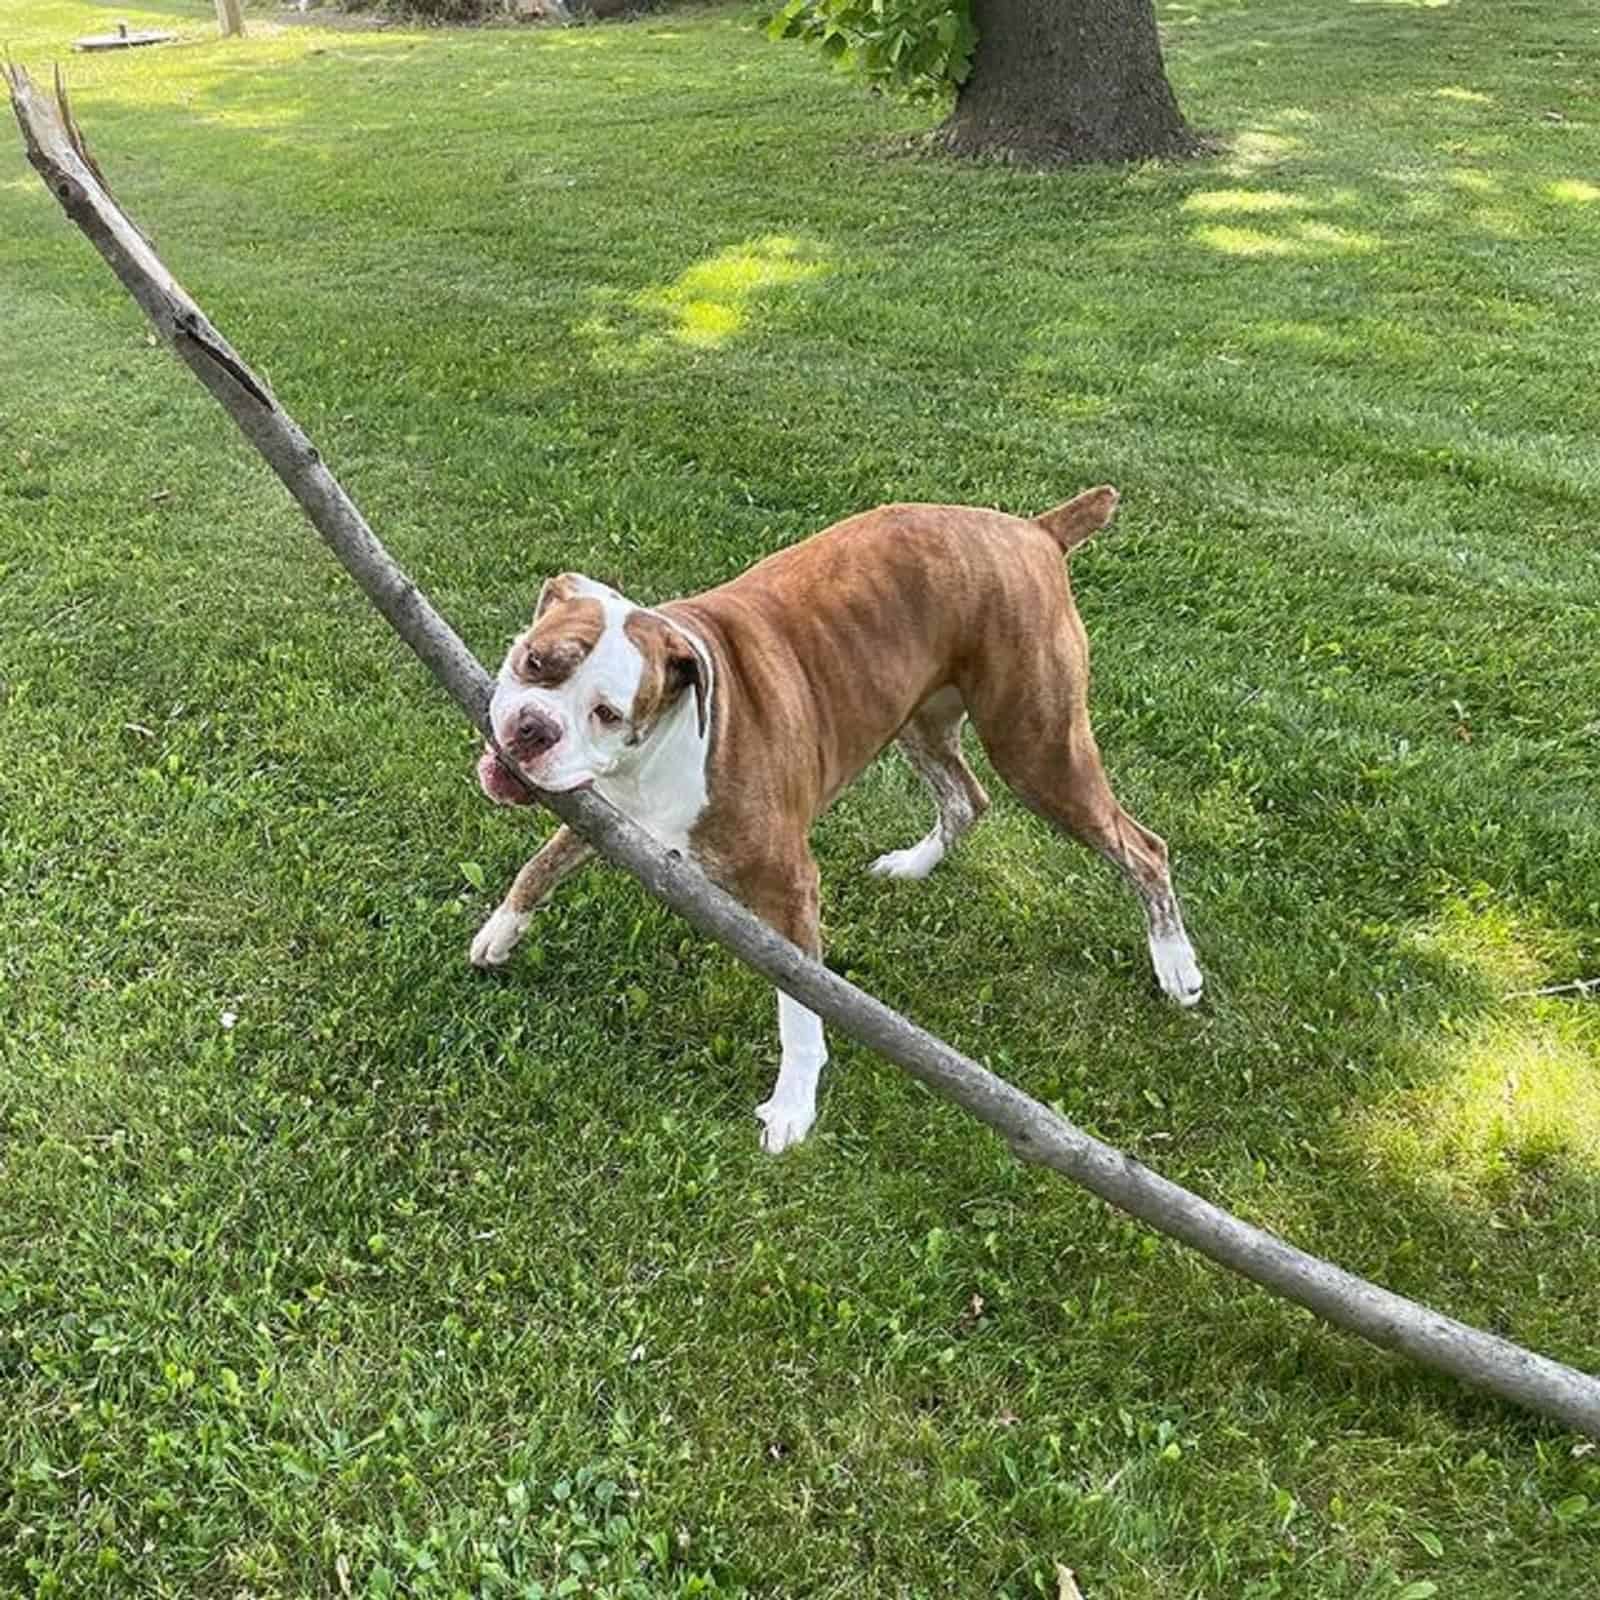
(607, 715)
(532, 664)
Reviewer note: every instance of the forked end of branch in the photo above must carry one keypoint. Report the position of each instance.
(69, 126)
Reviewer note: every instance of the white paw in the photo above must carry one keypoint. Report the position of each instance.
(783, 1124)
(917, 862)
(1177, 971)
(498, 937)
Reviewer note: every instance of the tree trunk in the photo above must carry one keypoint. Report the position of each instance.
(1055, 81)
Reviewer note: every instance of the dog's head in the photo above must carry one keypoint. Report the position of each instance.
(582, 693)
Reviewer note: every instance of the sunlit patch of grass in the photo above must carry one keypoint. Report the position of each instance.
(1255, 151)
(710, 301)
(1472, 179)
(703, 308)
(1243, 200)
(707, 322)
(1304, 239)
(1502, 948)
(53, 29)
(1503, 1089)
(1573, 191)
(1513, 1081)
(1328, 236)
(1514, 1093)
(1454, 91)
(587, 38)
(1244, 241)
(1068, 406)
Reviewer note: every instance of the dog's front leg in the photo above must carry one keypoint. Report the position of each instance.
(786, 897)
(787, 1116)
(563, 853)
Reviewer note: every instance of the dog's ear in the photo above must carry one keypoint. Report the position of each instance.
(562, 587)
(672, 666)
(684, 670)
(1070, 524)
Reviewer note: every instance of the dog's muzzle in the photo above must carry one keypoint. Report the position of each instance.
(501, 786)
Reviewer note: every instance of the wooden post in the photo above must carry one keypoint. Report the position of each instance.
(1034, 1133)
(230, 17)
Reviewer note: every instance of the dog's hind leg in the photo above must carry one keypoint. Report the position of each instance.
(563, 853)
(931, 741)
(1047, 753)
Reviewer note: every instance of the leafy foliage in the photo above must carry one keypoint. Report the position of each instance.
(443, 11)
(917, 48)
(474, 11)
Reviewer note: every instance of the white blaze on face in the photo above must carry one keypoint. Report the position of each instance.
(589, 713)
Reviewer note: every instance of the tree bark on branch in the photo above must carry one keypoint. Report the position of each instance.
(1034, 1133)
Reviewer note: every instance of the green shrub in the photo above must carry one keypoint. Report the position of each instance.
(468, 11)
(920, 49)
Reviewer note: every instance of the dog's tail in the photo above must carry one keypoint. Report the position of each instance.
(1070, 524)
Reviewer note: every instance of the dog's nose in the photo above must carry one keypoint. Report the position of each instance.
(536, 732)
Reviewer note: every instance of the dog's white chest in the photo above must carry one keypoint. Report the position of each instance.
(666, 794)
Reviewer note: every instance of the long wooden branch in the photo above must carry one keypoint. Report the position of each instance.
(1034, 1132)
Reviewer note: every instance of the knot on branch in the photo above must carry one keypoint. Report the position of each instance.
(1027, 1149)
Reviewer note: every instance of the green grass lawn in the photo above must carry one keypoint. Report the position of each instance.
(418, 1282)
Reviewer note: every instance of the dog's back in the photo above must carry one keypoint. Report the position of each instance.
(847, 633)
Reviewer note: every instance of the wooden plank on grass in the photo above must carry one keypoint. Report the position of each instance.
(122, 39)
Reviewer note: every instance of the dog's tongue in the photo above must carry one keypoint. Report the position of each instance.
(499, 784)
